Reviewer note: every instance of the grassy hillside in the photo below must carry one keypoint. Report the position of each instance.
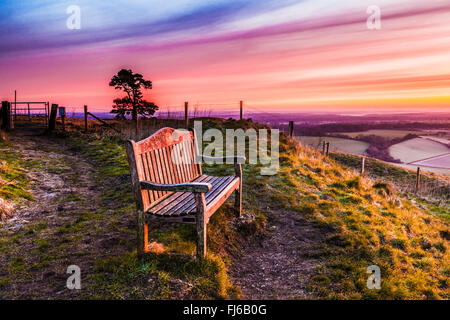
(435, 189)
(364, 223)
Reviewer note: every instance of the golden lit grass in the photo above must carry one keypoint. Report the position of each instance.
(365, 223)
(374, 226)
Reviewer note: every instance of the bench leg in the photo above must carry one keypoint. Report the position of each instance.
(142, 236)
(201, 225)
(238, 192)
(238, 202)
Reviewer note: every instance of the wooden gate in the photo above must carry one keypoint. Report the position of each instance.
(30, 114)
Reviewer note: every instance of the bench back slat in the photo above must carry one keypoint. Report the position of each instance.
(166, 157)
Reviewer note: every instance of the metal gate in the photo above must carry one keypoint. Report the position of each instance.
(30, 114)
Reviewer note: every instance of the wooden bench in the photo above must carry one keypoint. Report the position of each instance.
(169, 185)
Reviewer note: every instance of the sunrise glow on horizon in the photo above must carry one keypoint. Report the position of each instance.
(276, 55)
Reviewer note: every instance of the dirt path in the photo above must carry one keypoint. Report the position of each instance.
(64, 189)
(279, 265)
(57, 173)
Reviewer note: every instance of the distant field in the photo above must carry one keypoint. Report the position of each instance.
(389, 134)
(429, 151)
(336, 144)
(443, 140)
(442, 162)
(417, 149)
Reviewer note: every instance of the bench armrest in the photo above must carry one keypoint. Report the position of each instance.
(235, 159)
(181, 187)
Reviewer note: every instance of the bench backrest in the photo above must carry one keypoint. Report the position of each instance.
(166, 157)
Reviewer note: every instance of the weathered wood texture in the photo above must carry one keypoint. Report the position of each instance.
(85, 118)
(241, 110)
(418, 180)
(53, 114)
(7, 121)
(4, 114)
(291, 129)
(186, 115)
(168, 183)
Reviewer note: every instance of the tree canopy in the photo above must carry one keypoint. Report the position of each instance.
(133, 103)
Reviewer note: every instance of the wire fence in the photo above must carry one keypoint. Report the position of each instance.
(404, 179)
(421, 183)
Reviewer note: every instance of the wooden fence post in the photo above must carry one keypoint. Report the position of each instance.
(186, 115)
(328, 148)
(53, 114)
(7, 123)
(363, 165)
(323, 148)
(291, 129)
(241, 104)
(85, 118)
(418, 180)
(4, 115)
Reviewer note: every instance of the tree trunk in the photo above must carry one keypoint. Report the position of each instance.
(134, 113)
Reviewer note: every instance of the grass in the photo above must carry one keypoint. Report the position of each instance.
(364, 222)
(434, 188)
(373, 225)
(14, 181)
(120, 275)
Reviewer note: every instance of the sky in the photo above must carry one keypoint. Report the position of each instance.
(275, 55)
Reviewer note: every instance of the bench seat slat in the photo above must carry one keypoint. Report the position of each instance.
(169, 202)
(222, 196)
(190, 200)
(185, 208)
(186, 202)
(183, 203)
(210, 196)
(182, 200)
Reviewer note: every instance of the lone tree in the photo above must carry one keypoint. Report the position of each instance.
(133, 103)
